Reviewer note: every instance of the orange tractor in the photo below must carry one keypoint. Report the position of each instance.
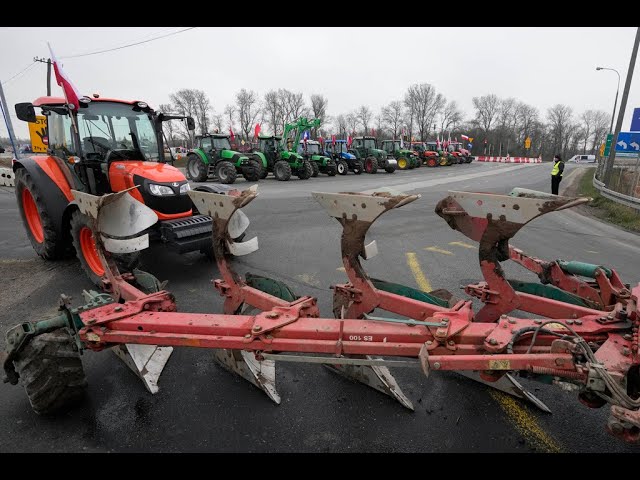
(105, 146)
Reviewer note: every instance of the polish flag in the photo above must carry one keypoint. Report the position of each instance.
(464, 137)
(257, 130)
(349, 140)
(71, 93)
(231, 134)
(333, 139)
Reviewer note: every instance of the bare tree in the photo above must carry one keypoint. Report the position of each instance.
(230, 112)
(392, 117)
(202, 110)
(352, 122)
(319, 105)
(217, 120)
(248, 110)
(450, 116)
(184, 102)
(560, 126)
(169, 128)
(293, 106)
(379, 123)
(341, 122)
(600, 129)
(588, 119)
(364, 116)
(486, 110)
(424, 104)
(272, 108)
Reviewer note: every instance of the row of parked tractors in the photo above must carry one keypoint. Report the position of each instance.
(288, 155)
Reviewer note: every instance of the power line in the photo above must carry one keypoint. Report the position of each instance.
(128, 45)
(20, 72)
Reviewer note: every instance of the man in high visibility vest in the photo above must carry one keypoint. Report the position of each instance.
(556, 174)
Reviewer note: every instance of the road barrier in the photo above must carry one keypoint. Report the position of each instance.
(632, 199)
(509, 159)
(6, 177)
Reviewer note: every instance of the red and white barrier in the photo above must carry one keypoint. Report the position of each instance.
(509, 159)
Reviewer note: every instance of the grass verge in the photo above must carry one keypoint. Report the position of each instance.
(606, 209)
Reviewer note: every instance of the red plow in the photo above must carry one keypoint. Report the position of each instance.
(577, 328)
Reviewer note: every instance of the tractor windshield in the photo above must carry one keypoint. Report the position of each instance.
(313, 148)
(105, 127)
(369, 143)
(221, 143)
(341, 147)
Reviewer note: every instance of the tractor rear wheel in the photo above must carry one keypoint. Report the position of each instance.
(343, 168)
(282, 171)
(226, 172)
(431, 162)
(331, 169)
(252, 171)
(197, 170)
(305, 171)
(315, 168)
(418, 162)
(36, 219)
(51, 372)
(371, 164)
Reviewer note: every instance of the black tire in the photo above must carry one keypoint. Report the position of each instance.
(252, 171)
(226, 172)
(264, 171)
(51, 372)
(79, 221)
(371, 164)
(358, 168)
(197, 170)
(52, 246)
(332, 169)
(305, 171)
(315, 168)
(342, 167)
(282, 170)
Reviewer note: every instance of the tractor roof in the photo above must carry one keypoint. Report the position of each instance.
(366, 137)
(60, 101)
(310, 142)
(340, 141)
(268, 137)
(215, 135)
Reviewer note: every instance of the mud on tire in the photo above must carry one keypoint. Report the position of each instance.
(252, 171)
(282, 170)
(51, 372)
(226, 172)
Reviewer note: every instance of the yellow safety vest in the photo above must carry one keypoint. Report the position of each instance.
(556, 170)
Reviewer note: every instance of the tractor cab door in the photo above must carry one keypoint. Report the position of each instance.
(206, 145)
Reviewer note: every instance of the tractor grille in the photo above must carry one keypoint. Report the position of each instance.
(187, 234)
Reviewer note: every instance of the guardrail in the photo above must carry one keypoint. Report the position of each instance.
(629, 201)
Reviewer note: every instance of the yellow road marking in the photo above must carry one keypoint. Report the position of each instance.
(525, 422)
(421, 280)
(439, 250)
(462, 244)
(341, 269)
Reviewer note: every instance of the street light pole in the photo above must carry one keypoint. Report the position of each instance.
(615, 103)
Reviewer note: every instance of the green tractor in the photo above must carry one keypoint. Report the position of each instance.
(213, 157)
(366, 150)
(444, 158)
(281, 161)
(312, 151)
(406, 159)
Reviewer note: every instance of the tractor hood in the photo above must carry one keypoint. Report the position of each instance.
(347, 156)
(233, 157)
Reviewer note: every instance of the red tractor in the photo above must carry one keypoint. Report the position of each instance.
(104, 146)
(456, 149)
(429, 157)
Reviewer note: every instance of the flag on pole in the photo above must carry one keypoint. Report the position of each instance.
(373, 132)
(233, 137)
(333, 139)
(349, 140)
(438, 142)
(71, 93)
(305, 136)
(257, 130)
(464, 137)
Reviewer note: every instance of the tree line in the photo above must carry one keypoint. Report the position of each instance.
(498, 126)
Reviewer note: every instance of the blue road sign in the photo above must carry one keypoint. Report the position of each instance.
(635, 120)
(628, 142)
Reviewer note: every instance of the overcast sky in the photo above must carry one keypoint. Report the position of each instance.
(351, 67)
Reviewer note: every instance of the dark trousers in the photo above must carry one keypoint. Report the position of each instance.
(555, 183)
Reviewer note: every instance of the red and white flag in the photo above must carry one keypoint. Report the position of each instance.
(333, 139)
(71, 93)
(349, 140)
(233, 137)
(464, 137)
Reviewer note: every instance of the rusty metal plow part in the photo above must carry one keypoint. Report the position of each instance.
(230, 222)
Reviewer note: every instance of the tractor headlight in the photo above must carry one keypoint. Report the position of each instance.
(185, 188)
(160, 190)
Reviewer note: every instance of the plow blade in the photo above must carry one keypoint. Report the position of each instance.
(376, 377)
(146, 361)
(509, 385)
(262, 374)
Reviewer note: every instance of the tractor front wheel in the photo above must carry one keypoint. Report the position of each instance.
(432, 162)
(226, 172)
(282, 171)
(84, 242)
(197, 170)
(305, 171)
(51, 372)
(343, 168)
(403, 163)
(252, 171)
(357, 167)
(332, 169)
(35, 217)
(371, 165)
(315, 168)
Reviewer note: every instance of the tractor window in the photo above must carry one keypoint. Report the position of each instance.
(369, 143)
(60, 137)
(313, 148)
(206, 144)
(221, 143)
(341, 147)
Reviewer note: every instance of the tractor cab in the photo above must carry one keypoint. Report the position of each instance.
(214, 142)
(406, 158)
(312, 147)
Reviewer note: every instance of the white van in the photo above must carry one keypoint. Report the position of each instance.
(583, 159)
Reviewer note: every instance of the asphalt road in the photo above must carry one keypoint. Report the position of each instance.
(202, 407)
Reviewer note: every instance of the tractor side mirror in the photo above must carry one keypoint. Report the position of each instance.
(26, 112)
(191, 125)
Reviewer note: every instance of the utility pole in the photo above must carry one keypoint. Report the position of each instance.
(48, 62)
(7, 121)
(623, 105)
